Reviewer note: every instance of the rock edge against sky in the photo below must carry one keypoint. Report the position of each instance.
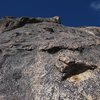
(40, 59)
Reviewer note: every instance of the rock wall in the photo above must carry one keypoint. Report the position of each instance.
(40, 59)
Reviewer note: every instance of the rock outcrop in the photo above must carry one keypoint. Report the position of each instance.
(40, 59)
(9, 23)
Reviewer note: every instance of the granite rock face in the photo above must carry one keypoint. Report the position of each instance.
(9, 23)
(40, 59)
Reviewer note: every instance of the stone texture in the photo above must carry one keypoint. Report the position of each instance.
(40, 59)
(10, 23)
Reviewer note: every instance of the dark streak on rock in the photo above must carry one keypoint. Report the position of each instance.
(53, 50)
(56, 49)
(49, 30)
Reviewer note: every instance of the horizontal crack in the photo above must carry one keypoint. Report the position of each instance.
(56, 49)
(53, 50)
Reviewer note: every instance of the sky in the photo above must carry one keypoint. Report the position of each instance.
(73, 13)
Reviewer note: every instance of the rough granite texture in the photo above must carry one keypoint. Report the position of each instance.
(40, 59)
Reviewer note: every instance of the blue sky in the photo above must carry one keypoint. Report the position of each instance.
(72, 12)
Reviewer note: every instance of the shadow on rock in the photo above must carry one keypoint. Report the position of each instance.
(75, 69)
